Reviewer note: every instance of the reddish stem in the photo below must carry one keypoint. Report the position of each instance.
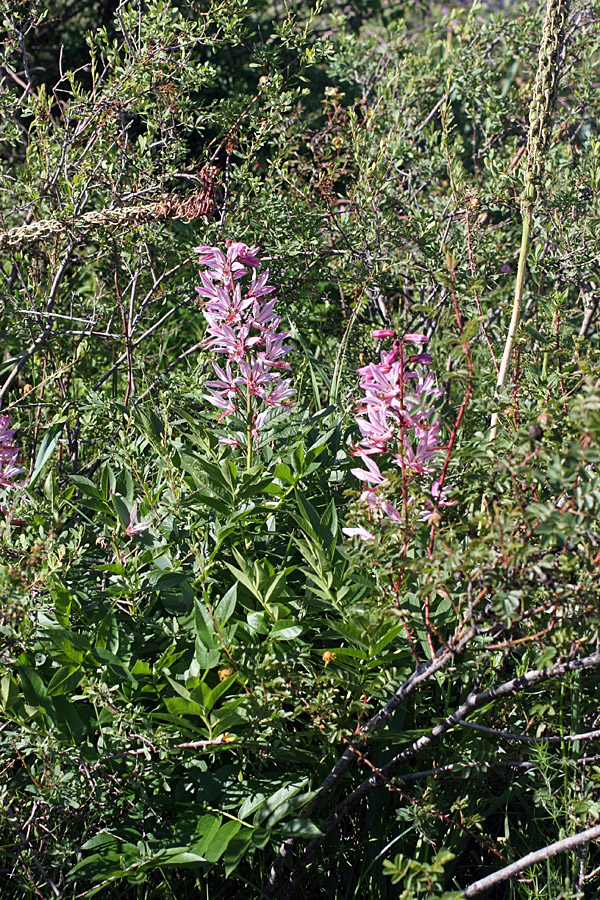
(463, 405)
(477, 303)
(411, 643)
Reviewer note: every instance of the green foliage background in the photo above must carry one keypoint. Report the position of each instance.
(173, 701)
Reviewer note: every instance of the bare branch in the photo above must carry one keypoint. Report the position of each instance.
(29, 849)
(134, 344)
(422, 673)
(474, 701)
(538, 856)
(49, 323)
(526, 739)
(150, 748)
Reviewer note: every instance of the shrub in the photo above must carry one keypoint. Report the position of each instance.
(209, 682)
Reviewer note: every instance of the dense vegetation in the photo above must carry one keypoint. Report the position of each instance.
(230, 667)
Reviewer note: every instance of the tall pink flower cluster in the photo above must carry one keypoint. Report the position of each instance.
(239, 307)
(9, 454)
(399, 425)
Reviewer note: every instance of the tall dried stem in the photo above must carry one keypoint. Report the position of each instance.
(550, 62)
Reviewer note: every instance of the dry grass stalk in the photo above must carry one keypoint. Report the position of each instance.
(170, 206)
(550, 64)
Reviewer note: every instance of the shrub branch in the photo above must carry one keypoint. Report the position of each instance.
(538, 856)
(474, 701)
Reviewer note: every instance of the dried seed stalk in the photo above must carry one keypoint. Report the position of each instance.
(550, 63)
(170, 206)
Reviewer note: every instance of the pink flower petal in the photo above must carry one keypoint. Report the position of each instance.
(359, 532)
(380, 333)
(416, 338)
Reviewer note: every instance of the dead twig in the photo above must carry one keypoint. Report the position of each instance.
(474, 701)
(527, 739)
(422, 673)
(538, 856)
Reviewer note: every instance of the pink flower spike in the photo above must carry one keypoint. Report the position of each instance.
(259, 423)
(389, 359)
(224, 402)
(9, 455)
(275, 350)
(281, 394)
(380, 333)
(6, 432)
(8, 473)
(211, 257)
(398, 423)
(359, 532)
(371, 496)
(259, 286)
(244, 327)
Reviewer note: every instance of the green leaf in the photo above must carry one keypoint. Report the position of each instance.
(276, 800)
(205, 630)
(71, 645)
(206, 659)
(226, 606)
(47, 448)
(107, 635)
(244, 577)
(285, 631)
(275, 586)
(177, 856)
(251, 804)
(180, 707)
(35, 692)
(301, 828)
(208, 697)
(117, 666)
(236, 850)
(62, 604)
(87, 487)
(65, 680)
(283, 472)
(69, 720)
(207, 828)
(219, 843)
(102, 839)
(206, 499)
(9, 692)
(123, 509)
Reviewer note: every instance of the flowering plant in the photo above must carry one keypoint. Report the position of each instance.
(9, 453)
(244, 328)
(399, 424)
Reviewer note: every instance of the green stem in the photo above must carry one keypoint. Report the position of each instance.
(248, 430)
(527, 212)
